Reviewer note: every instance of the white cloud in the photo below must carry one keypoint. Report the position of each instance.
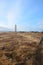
(13, 14)
(39, 25)
(2, 24)
(10, 16)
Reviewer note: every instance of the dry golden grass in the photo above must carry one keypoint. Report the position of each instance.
(19, 48)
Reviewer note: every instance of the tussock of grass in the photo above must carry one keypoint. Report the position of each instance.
(21, 49)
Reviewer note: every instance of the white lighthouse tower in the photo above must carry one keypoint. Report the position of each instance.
(15, 28)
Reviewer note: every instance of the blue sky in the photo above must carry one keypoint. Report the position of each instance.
(26, 14)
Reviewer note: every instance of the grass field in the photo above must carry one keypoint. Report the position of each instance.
(21, 48)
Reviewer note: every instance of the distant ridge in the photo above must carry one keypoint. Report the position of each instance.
(4, 29)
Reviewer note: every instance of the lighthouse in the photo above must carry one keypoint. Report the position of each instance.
(15, 28)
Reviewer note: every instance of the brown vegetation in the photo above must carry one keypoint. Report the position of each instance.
(21, 48)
